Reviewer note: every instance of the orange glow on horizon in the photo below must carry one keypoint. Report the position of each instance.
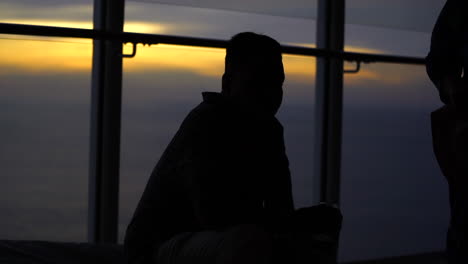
(50, 55)
(134, 26)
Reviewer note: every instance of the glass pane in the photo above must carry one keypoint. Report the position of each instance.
(391, 27)
(397, 27)
(378, 40)
(414, 15)
(59, 13)
(179, 20)
(394, 198)
(290, 8)
(44, 102)
(160, 89)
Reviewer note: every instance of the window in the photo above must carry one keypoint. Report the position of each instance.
(393, 195)
(45, 100)
(388, 168)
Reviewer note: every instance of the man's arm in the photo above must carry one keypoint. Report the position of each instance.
(220, 187)
(241, 179)
(279, 200)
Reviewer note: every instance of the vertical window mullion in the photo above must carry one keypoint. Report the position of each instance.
(105, 124)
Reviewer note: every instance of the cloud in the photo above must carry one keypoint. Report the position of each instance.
(40, 10)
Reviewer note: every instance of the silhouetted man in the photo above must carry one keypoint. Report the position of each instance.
(221, 191)
(446, 66)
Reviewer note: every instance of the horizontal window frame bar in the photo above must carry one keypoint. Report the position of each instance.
(152, 39)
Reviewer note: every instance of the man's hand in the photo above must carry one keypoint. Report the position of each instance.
(453, 87)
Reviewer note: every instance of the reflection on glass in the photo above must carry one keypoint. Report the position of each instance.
(291, 8)
(44, 101)
(179, 20)
(377, 40)
(394, 198)
(414, 15)
(59, 13)
(163, 83)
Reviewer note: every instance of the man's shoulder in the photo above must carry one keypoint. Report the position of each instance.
(205, 112)
(204, 120)
(216, 113)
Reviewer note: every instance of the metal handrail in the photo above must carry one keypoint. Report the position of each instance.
(128, 37)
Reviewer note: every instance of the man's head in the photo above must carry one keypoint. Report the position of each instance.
(254, 73)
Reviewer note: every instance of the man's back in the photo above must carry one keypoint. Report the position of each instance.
(224, 167)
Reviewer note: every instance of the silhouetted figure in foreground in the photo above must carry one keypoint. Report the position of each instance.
(221, 192)
(446, 62)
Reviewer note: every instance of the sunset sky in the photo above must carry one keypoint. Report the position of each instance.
(393, 195)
